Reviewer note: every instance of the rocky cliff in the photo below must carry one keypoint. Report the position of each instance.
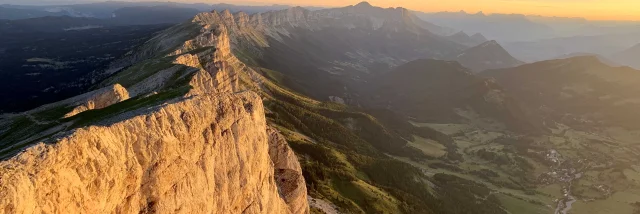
(207, 151)
(102, 99)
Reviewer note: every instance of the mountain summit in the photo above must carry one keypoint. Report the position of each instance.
(478, 37)
(464, 38)
(488, 55)
(364, 4)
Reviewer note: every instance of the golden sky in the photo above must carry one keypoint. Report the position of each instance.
(590, 9)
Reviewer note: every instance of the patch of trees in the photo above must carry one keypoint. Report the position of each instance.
(486, 174)
(499, 159)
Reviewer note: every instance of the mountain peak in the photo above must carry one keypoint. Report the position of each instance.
(227, 12)
(460, 37)
(488, 55)
(479, 37)
(363, 4)
(461, 33)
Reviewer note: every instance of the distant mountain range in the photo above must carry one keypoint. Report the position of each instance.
(501, 27)
(122, 17)
(19, 13)
(108, 9)
(463, 38)
(629, 57)
(604, 45)
(519, 28)
(126, 13)
(348, 43)
(100, 9)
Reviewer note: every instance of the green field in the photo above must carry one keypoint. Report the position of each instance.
(428, 147)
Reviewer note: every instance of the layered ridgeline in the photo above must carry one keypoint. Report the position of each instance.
(327, 51)
(176, 131)
(581, 91)
(445, 92)
(463, 38)
(181, 126)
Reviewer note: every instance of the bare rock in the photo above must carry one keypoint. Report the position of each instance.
(288, 173)
(101, 98)
(207, 154)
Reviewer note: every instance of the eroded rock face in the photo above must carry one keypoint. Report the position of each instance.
(208, 154)
(101, 98)
(218, 75)
(209, 151)
(288, 173)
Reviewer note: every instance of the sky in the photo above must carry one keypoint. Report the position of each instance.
(590, 9)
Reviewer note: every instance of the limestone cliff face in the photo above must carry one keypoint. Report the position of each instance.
(209, 151)
(217, 75)
(276, 23)
(290, 182)
(208, 154)
(101, 99)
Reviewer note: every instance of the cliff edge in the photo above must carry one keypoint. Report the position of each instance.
(189, 140)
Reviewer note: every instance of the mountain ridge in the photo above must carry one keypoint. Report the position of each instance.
(448, 91)
(304, 44)
(629, 56)
(488, 55)
(464, 38)
(592, 92)
(217, 134)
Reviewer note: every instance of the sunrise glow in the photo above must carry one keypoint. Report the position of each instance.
(589, 9)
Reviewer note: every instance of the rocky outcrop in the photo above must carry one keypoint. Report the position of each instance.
(208, 154)
(101, 99)
(288, 173)
(218, 75)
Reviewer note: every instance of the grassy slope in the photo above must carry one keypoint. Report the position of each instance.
(344, 157)
(16, 132)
